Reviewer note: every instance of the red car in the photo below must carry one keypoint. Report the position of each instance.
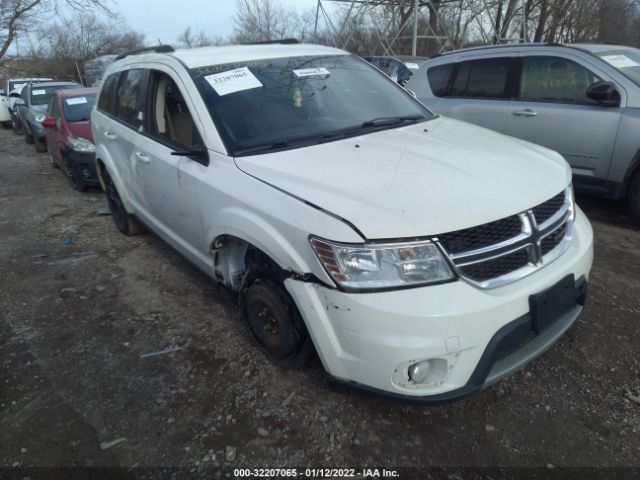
(69, 138)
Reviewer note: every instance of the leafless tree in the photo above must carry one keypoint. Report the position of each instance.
(261, 20)
(189, 39)
(18, 16)
(65, 45)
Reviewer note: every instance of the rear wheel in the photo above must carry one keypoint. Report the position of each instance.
(52, 161)
(275, 322)
(28, 137)
(126, 223)
(41, 146)
(17, 128)
(633, 197)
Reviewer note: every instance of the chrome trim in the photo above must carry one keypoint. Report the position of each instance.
(531, 238)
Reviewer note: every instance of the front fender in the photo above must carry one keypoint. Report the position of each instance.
(256, 230)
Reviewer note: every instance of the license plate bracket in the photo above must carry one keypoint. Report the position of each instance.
(548, 306)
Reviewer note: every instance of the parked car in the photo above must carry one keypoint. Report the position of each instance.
(13, 87)
(399, 69)
(32, 109)
(5, 118)
(422, 257)
(68, 135)
(580, 100)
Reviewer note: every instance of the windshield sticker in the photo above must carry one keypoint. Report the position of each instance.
(310, 72)
(39, 92)
(233, 81)
(620, 61)
(412, 66)
(76, 100)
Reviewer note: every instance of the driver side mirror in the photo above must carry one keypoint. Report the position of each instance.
(604, 93)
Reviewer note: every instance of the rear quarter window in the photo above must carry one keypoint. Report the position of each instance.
(106, 102)
(439, 78)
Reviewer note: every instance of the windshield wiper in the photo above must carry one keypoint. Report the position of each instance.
(385, 121)
(263, 148)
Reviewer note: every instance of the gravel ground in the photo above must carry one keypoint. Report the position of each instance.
(81, 303)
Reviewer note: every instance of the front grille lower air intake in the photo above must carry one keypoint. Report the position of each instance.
(505, 250)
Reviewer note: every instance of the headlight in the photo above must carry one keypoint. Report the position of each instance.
(81, 144)
(382, 266)
(39, 117)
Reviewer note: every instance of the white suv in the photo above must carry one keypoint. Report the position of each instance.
(421, 257)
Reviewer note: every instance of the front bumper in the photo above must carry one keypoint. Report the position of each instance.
(369, 339)
(83, 167)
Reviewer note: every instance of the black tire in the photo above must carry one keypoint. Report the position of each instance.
(51, 159)
(126, 223)
(28, 137)
(275, 322)
(17, 128)
(41, 147)
(633, 197)
(76, 181)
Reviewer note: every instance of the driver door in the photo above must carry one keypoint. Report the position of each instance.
(552, 110)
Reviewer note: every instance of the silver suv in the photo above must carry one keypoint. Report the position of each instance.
(581, 100)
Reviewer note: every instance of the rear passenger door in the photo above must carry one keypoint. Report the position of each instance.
(476, 91)
(552, 109)
(124, 129)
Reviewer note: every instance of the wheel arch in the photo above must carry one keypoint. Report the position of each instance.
(244, 233)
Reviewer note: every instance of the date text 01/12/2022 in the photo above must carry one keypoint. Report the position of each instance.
(315, 473)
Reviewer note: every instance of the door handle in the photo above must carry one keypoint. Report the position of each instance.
(110, 136)
(143, 157)
(525, 113)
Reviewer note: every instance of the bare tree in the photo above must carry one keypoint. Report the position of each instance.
(65, 45)
(22, 15)
(189, 39)
(261, 20)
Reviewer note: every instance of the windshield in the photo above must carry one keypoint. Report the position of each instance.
(42, 95)
(282, 102)
(625, 60)
(78, 109)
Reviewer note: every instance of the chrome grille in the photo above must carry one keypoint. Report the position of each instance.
(503, 251)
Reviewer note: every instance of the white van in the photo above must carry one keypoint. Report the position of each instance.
(421, 257)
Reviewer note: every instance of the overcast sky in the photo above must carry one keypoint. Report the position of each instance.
(167, 19)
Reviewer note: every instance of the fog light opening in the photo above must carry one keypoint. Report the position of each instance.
(428, 372)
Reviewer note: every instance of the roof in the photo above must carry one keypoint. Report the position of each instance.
(589, 47)
(598, 47)
(205, 56)
(31, 79)
(77, 92)
(54, 84)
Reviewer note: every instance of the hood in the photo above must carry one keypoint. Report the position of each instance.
(80, 129)
(424, 179)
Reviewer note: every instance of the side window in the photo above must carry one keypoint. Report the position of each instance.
(555, 79)
(170, 119)
(106, 102)
(439, 77)
(461, 82)
(488, 78)
(128, 97)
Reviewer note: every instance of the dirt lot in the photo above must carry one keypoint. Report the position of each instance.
(81, 303)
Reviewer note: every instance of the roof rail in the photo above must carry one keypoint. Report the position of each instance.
(283, 41)
(157, 49)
